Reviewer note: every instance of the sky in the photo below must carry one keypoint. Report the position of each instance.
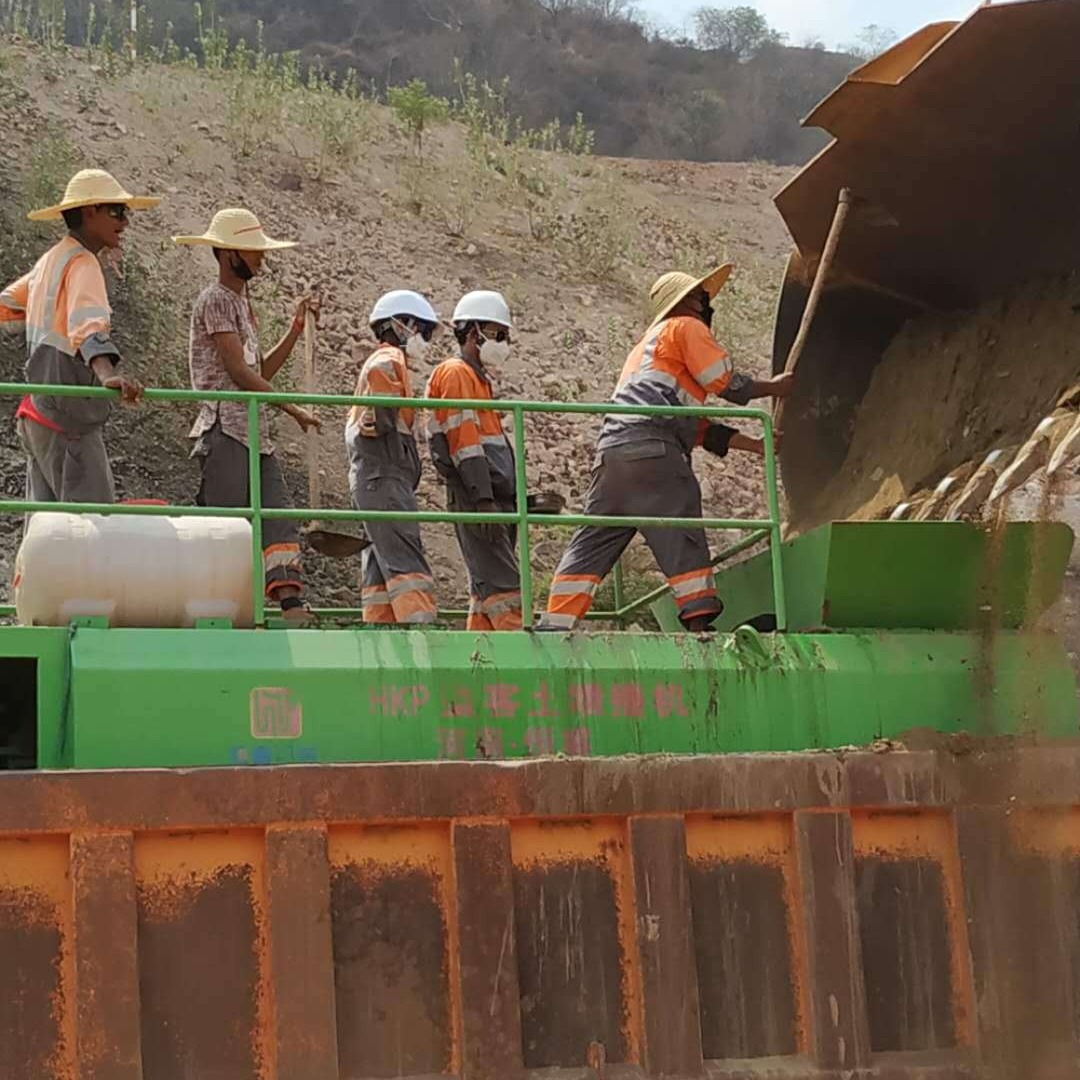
(831, 21)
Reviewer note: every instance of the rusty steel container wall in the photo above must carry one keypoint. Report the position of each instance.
(960, 143)
(896, 915)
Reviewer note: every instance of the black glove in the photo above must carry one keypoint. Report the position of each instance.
(717, 438)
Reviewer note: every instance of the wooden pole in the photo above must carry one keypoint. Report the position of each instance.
(832, 242)
(311, 435)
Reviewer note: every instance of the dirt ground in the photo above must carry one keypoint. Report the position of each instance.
(166, 130)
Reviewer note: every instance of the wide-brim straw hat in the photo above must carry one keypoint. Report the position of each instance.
(92, 187)
(670, 290)
(236, 230)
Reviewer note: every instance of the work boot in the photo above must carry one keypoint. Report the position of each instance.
(702, 624)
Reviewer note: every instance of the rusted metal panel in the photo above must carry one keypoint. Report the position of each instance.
(36, 977)
(672, 1029)
(913, 932)
(389, 892)
(1021, 875)
(490, 1009)
(106, 956)
(746, 950)
(900, 916)
(572, 906)
(839, 1034)
(201, 941)
(301, 952)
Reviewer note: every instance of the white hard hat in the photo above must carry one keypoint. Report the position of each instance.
(483, 306)
(402, 302)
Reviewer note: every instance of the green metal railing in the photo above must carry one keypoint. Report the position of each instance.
(256, 513)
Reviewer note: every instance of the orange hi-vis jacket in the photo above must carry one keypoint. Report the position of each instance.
(468, 446)
(382, 441)
(64, 305)
(677, 363)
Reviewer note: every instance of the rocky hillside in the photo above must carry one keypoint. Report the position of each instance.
(572, 241)
(734, 92)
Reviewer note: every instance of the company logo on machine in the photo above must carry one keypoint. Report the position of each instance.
(275, 714)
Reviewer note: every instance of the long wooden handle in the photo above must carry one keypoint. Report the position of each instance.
(832, 242)
(314, 492)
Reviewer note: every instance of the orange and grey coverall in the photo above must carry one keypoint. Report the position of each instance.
(643, 469)
(473, 455)
(65, 308)
(384, 472)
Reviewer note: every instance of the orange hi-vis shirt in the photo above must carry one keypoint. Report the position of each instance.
(469, 446)
(385, 373)
(382, 441)
(64, 306)
(677, 363)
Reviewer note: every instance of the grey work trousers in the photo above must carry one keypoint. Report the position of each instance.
(224, 463)
(645, 479)
(65, 468)
(397, 585)
(491, 559)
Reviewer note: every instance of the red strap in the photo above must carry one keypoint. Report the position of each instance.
(26, 409)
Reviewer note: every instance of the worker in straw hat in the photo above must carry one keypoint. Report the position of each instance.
(64, 306)
(472, 454)
(643, 467)
(384, 463)
(225, 354)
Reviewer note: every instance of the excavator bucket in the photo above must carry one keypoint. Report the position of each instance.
(961, 146)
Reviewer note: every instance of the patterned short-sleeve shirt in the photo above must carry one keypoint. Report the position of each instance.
(219, 310)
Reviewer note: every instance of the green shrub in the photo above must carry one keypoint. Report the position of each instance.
(417, 110)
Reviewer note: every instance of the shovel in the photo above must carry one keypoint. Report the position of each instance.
(545, 502)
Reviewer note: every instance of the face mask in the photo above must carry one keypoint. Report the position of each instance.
(416, 348)
(494, 353)
(241, 269)
(414, 344)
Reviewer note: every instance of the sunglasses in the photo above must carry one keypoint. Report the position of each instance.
(117, 211)
(500, 334)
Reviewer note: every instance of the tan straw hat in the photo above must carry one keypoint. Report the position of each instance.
(671, 289)
(236, 230)
(90, 188)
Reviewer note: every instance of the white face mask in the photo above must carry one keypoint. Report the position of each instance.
(416, 348)
(494, 353)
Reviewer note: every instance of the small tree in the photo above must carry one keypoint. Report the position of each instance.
(609, 10)
(702, 113)
(870, 41)
(417, 109)
(742, 32)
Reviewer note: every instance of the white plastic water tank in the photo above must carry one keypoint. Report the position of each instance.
(137, 571)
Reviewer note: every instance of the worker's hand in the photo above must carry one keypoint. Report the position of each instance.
(305, 306)
(488, 532)
(748, 444)
(305, 418)
(781, 385)
(131, 390)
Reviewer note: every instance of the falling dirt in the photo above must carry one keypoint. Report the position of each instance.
(950, 388)
(989, 614)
